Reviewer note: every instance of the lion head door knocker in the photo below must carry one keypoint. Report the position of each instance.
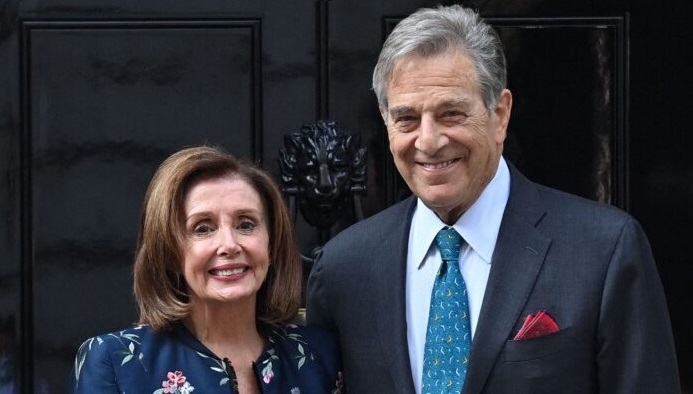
(324, 173)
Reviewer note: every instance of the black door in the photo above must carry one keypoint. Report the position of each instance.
(93, 96)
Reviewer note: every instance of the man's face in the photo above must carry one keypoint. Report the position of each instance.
(445, 143)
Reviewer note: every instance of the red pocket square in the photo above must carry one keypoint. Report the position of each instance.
(536, 325)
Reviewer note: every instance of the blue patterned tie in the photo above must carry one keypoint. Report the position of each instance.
(449, 336)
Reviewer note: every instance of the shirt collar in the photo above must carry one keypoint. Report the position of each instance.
(479, 225)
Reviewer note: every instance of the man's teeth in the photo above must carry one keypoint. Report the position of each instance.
(228, 272)
(438, 165)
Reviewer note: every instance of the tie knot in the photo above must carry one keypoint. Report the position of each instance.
(449, 242)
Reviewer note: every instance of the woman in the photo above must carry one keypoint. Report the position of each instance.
(217, 281)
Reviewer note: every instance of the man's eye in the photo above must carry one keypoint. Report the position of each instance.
(454, 115)
(405, 123)
(404, 119)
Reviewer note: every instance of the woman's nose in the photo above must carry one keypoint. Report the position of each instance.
(227, 242)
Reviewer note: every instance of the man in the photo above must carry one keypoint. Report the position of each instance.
(563, 292)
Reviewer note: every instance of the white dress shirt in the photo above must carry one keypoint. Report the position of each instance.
(479, 227)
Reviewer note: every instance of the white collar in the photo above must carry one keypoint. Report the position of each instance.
(479, 225)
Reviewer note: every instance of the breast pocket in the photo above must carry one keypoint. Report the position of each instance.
(561, 362)
(538, 348)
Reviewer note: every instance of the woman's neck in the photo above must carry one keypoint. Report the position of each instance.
(227, 330)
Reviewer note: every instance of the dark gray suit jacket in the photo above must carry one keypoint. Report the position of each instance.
(588, 265)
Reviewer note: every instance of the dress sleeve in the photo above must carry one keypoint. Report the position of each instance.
(93, 371)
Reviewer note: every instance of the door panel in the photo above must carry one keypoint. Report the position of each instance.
(567, 123)
(106, 103)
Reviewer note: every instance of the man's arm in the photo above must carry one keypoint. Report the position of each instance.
(317, 297)
(636, 352)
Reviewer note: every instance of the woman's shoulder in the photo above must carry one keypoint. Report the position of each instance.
(103, 343)
(297, 340)
(96, 356)
(129, 342)
(136, 358)
(131, 334)
(314, 337)
(307, 357)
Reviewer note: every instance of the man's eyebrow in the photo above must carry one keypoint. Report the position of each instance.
(399, 110)
(452, 103)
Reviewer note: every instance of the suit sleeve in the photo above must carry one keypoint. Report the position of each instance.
(93, 369)
(317, 297)
(636, 352)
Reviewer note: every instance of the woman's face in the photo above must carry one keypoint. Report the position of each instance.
(226, 243)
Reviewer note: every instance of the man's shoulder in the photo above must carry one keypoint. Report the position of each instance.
(389, 218)
(562, 201)
(550, 208)
(553, 200)
(566, 213)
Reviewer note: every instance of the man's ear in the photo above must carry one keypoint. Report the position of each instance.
(502, 112)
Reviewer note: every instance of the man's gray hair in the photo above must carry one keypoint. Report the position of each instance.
(437, 31)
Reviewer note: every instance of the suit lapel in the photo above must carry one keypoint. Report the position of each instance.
(517, 259)
(388, 276)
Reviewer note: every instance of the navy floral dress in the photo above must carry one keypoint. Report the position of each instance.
(296, 360)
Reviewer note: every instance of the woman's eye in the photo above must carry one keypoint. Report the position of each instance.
(246, 226)
(202, 229)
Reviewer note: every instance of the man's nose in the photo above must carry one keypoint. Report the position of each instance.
(431, 137)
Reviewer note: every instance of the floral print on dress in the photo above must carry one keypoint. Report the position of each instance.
(281, 333)
(267, 372)
(298, 354)
(286, 354)
(176, 383)
(219, 367)
(128, 341)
